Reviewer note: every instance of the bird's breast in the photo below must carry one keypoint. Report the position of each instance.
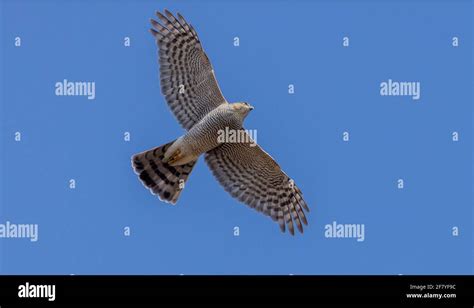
(208, 133)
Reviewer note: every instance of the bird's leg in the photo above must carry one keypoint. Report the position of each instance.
(174, 157)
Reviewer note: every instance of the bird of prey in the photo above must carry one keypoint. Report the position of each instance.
(243, 168)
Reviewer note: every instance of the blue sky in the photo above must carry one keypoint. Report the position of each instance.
(337, 90)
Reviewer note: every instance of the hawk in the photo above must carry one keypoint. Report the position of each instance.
(244, 169)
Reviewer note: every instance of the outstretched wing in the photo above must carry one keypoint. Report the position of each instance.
(186, 74)
(249, 174)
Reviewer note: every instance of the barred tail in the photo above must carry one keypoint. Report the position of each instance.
(160, 178)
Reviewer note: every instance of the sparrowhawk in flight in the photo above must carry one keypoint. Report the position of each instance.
(243, 168)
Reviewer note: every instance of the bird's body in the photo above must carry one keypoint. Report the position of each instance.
(244, 169)
(203, 136)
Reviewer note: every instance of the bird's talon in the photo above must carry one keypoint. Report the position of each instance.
(175, 157)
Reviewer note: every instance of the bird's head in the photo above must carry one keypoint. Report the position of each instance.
(242, 108)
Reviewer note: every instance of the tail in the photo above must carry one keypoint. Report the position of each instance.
(160, 178)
